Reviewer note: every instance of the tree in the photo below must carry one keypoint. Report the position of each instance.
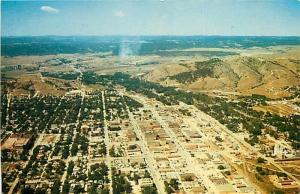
(132, 147)
(55, 188)
(278, 192)
(70, 168)
(65, 153)
(260, 160)
(221, 167)
(281, 174)
(112, 151)
(28, 190)
(188, 178)
(168, 189)
(147, 174)
(74, 149)
(105, 191)
(40, 191)
(5, 187)
(66, 188)
(78, 189)
(150, 190)
(93, 189)
(174, 183)
(136, 178)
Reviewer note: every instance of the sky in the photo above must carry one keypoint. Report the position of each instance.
(151, 17)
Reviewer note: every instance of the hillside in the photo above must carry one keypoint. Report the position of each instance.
(274, 77)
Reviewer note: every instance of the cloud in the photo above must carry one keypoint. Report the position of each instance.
(49, 9)
(119, 14)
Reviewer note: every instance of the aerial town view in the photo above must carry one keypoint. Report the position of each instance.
(150, 97)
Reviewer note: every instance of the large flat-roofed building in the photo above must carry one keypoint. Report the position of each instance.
(283, 182)
(222, 185)
(15, 144)
(145, 182)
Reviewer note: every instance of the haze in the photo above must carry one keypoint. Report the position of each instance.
(229, 17)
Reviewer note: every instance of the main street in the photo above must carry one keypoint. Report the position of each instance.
(107, 142)
(151, 163)
(192, 163)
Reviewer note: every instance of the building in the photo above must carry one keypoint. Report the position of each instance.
(15, 144)
(145, 182)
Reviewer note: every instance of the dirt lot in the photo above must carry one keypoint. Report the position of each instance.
(48, 139)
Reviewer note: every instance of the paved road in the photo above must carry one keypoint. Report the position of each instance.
(8, 106)
(241, 141)
(204, 117)
(14, 184)
(107, 143)
(192, 163)
(153, 170)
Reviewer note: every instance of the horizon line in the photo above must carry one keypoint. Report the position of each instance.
(143, 35)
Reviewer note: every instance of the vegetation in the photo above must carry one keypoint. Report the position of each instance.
(221, 167)
(229, 113)
(171, 186)
(15, 46)
(261, 171)
(260, 160)
(149, 190)
(203, 69)
(131, 103)
(61, 75)
(113, 152)
(120, 183)
(98, 171)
